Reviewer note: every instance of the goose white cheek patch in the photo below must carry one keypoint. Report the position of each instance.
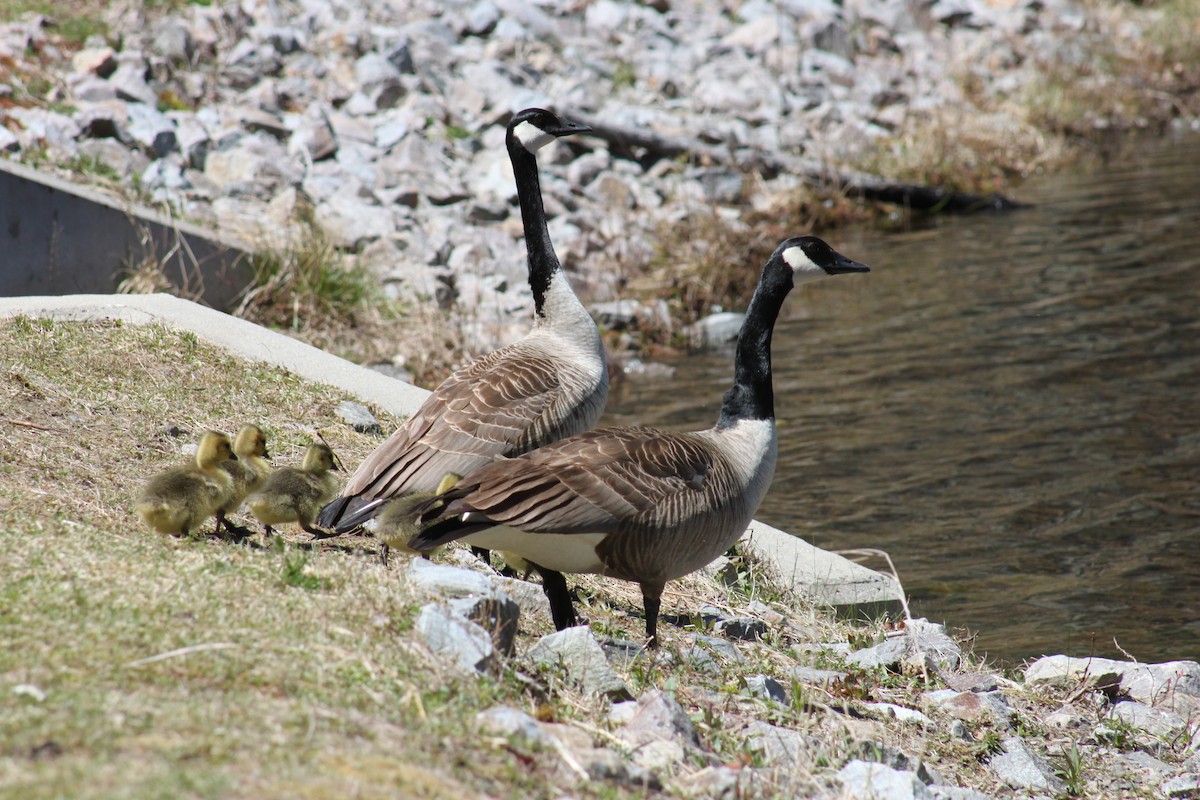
(802, 266)
(531, 137)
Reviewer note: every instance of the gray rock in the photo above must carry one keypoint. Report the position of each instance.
(358, 417)
(972, 706)
(1182, 786)
(1021, 768)
(579, 655)
(765, 687)
(481, 19)
(99, 61)
(129, 79)
(715, 329)
(921, 642)
(250, 62)
(817, 677)
(172, 39)
(1146, 683)
(781, 747)
(901, 713)
(659, 732)
(459, 642)
(1163, 725)
(151, 129)
(745, 628)
(511, 723)
(445, 581)
(955, 793)
(496, 614)
(869, 779)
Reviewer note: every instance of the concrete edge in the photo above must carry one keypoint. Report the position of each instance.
(824, 577)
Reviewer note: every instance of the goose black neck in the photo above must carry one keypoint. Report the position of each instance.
(542, 261)
(752, 395)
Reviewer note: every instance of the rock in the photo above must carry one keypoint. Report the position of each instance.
(955, 793)
(1158, 724)
(765, 687)
(511, 723)
(579, 655)
(129, 79)
(444, 581)
(100, 61)
(920, 639)
(1021, 768)
(745, 628)
(1175, 682)
(659, 732)
(358, 417)
(715, 329)
(1182, 786)
(461, 643)
(781, 747)
(867, 779)
(496, 614)
(151, 129)
(173, 40)
(972, 706)
(971, 681)
(817, 677)
(901, 713)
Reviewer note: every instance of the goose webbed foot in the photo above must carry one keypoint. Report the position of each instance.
(561, 609)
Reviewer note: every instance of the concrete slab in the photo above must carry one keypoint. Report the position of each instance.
(825, 577)
(238, 336)
(61, 238)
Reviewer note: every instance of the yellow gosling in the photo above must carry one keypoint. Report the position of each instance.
(395, 525)
(249, 472)
(296, 495)
(179, 500)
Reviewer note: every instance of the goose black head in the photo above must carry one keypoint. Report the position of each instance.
(534, 128)
(811, 258)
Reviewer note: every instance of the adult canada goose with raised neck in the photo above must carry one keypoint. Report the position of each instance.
(639, 504)
(178, 500)
(550, 384)
(293, 494)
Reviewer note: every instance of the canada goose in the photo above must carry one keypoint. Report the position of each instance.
(550, 384)
(178, 500)
(395, 525)
(639, 504)
(295, 495)
(249, 471)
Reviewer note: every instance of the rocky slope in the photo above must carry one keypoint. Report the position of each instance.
(383, 122)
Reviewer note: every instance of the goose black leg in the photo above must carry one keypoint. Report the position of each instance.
(652, 602)
(555, 587)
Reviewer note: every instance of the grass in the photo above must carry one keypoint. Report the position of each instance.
(142, 665)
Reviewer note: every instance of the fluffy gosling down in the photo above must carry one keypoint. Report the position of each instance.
(639, 504)
(292, 494)
(178, 500)
(395, 525)
(249, 472)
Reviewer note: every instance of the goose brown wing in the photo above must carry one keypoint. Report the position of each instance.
(600, 481)
(484, 410)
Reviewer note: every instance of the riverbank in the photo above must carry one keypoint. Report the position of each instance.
(358, 146)
(145, 665)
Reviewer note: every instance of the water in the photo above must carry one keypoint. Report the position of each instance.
(1009, 405)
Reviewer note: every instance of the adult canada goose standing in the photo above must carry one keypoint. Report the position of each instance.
(295, 495)
(550, 384)
(249, 470)
(178, 500)
(639, 504)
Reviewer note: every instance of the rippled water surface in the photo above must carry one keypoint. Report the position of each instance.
(1009, 405)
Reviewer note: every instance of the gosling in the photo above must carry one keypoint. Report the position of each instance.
(178, 500)
(249, 472)
(296, 495)
(395, 525)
